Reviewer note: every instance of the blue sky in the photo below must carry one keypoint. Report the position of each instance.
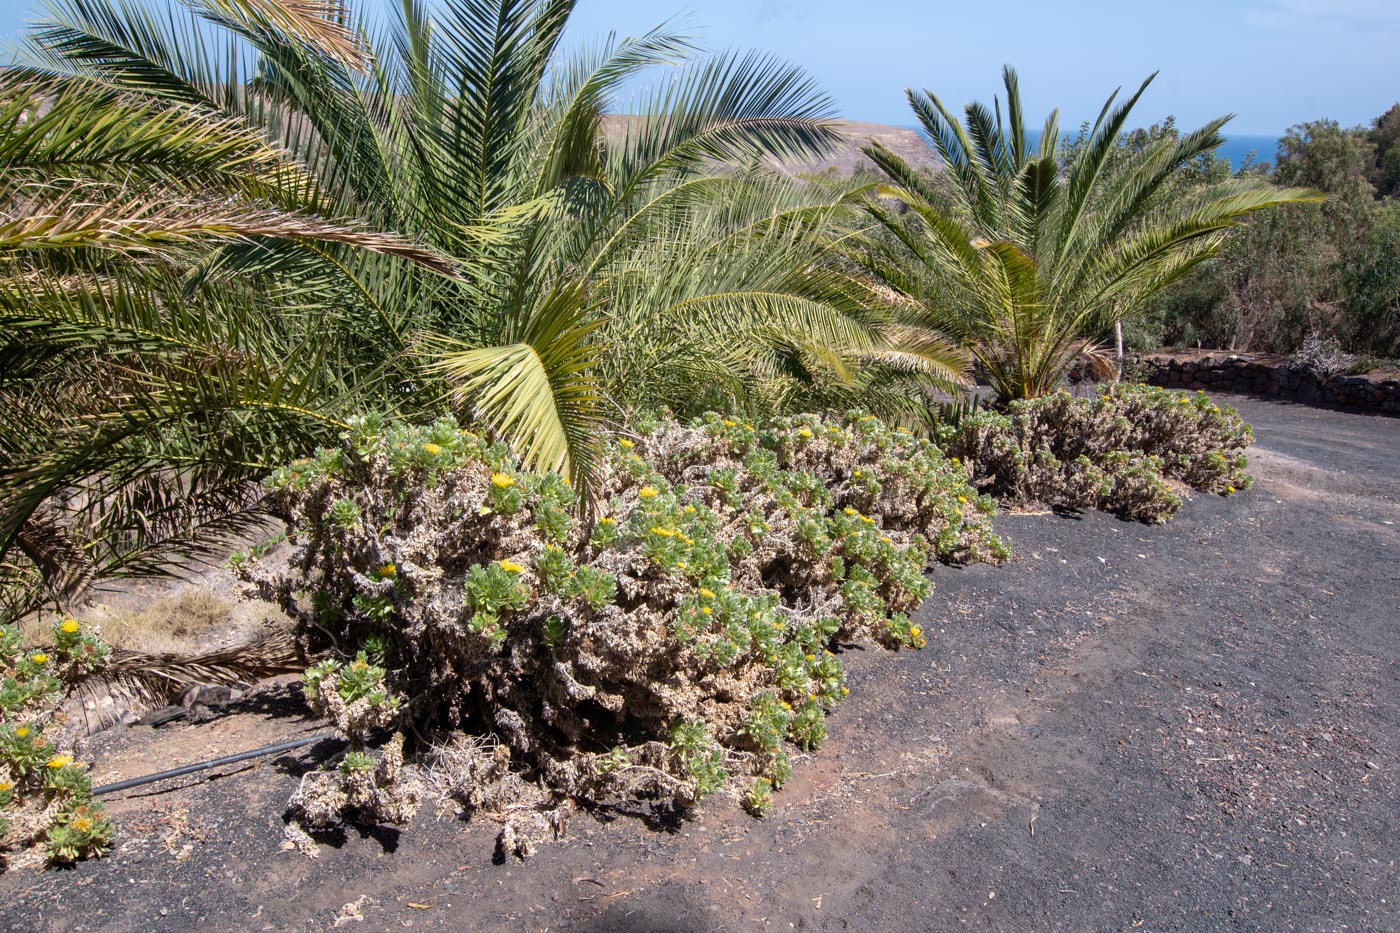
(1274, 63)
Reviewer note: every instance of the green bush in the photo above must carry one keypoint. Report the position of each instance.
(1129, 450)
(46, 800)
(668, 648)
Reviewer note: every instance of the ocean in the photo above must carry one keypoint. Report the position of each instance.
(1236, 148)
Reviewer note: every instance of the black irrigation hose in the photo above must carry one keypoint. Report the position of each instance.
(205, 765)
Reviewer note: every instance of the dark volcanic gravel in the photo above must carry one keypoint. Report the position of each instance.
(1193, 726)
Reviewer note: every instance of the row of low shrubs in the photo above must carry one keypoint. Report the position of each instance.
(676, 643)
(1130, 450)
(681, 640)
(676, 638)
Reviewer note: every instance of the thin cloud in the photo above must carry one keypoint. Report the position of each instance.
(1313, 15)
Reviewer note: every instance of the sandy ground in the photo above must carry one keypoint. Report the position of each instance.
(1186, 727)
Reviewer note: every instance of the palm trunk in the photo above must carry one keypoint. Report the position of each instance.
(1118, 348)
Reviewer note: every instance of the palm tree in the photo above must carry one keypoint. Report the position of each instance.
(543, 269)
(1025, 254)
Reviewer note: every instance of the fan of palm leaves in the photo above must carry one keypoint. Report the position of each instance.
(1024, 254)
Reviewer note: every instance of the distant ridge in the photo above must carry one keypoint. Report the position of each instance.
(846, 159)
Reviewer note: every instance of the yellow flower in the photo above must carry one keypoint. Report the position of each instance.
(915, 631)
(805, 432)
(21, 732)
(60, 761)
(886, 539)
(359, 664)
(433, 449)
(845, 691)
(502, 481)
(867, 519)
(833, 429)
(849, 511)
(787, 705)
(1229, 489)
(624, 442)
(748, 426)
(6, 787)
(729, 423)
(648, 492)
(39, 658)
(705, 610)
(811, 657)
(680, 565)
(510, 566)
(663, 532)
(607, 520)
(707, 592)
(962, 498)
(69, 626)
(387, 570)
(82, 824)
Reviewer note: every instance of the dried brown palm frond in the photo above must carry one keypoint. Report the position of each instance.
(319, 23)
(134, 683)
(101, 216)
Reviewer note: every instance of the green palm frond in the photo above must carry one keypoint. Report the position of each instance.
(1025, 257)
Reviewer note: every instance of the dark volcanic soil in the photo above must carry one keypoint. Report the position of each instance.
(1194, 726)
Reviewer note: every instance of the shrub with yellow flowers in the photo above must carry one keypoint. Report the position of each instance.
(1132, 450)
(677, 642)
(46, 805)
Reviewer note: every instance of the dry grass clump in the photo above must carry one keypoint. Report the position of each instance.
(169, 624)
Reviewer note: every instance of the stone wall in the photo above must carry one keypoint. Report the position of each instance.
(1270, 376)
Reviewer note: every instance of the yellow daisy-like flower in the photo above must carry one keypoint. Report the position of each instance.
(624, 442)
(805, 432)
(60, 761)
(787, 705)
(705, 610)
(82, 824)
(69, 627)
(680, 565)
(6, 787)
(728, 423)
(387, 570)
(689, 510)
(811, 657)
(1229, 489)
(21, 732)
(915, 631)
(502, 481)
(607, 520)
(707, 592)
(886, 539)
(648, 492)
(833, 429)
(962, 499)
(663, 532)
(433, 449)
(867, 519)
(359, 665)
(845, 691)
(510, 566)
(39, 658)
(849, 511)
